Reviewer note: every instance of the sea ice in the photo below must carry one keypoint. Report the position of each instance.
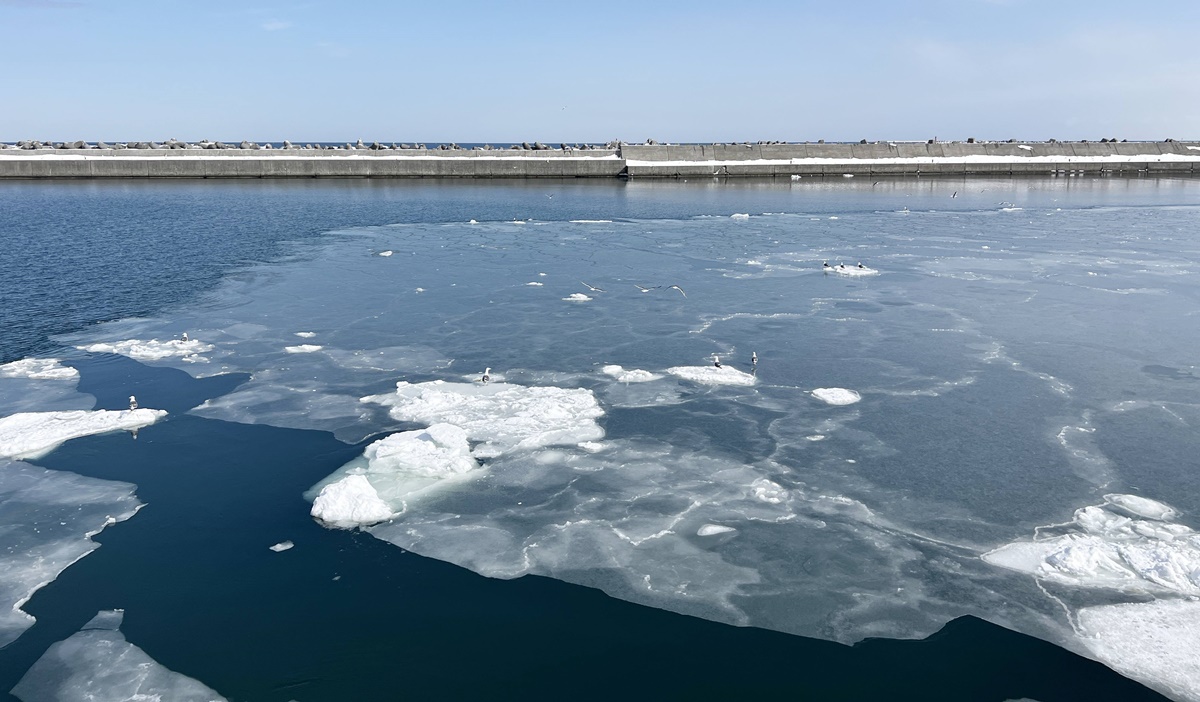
(38, 369)
(1155, 642)
(49, 518)
(504, 416)
(34, 434)
(385, 253)
(836, 396)
(97, 663)
(713, 530)
(1109, 551)
(306, 334)
(576, 297)
(1143, 506)
(711, 375)
(739, 215)
(282, 546)
(630, 376)
(151, 350)
(853, 271)
(392, 472)
(535, 284)
(303, 348)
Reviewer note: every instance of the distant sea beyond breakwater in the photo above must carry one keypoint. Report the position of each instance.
(175, 159)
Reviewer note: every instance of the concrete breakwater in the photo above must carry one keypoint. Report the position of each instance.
(622, 160)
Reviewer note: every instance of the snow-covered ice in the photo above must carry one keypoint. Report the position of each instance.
(152, 349)
(504, 416)
(38, 369)
(1156, 642)
(577, 297)
(303, 348)
(711, 375)
(97, 663)
(34, 434)
(623, 375)
(836, 396)
(393, 472)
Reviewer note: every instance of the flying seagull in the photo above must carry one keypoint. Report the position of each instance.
(645, 289)
(593, 288)
(676, 287)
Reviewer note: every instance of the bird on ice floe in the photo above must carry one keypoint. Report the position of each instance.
(487, 375)
(676, 287)
(717, 361)
(132, 402)
(753, 358)
(593, 288)
(841, 266)
(185, 336)
(825, 264)
(860, 265)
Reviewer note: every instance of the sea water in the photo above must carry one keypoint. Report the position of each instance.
(991, 417)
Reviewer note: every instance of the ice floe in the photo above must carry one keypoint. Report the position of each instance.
(712, 375)
(1107, 550)
(576, 297)
(393, 472)
(534, 284)
(630, 376)
(504, 416)
(852, 271)
(385, 254)
(34, 434)
(49, 519)
(739, 215)
(836, 396)
(713, 530)
(1155, 642)
(303, 348)
(282, 546)
(98, 663)
(152, 349)
(38, 369)
(305, 334)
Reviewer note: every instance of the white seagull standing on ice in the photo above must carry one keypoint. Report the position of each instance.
(132, 402)
(753, 358)
(716, 361)
(487, 375)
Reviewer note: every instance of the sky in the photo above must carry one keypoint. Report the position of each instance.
(674, 71)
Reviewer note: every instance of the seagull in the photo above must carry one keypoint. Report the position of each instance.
(860, 265)
(185, 338)
(593, 288)
(487, 375)
(717, 361)
(753, 358)
(825, 264)
(841, 266)
(132, 402)
(645, 289)
(955, 194)
(676, 287)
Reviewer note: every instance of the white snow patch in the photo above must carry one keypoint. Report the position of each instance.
(38, 369)
(34, 434)
(836, 396)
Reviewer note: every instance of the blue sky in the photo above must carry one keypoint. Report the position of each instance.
(463, 70)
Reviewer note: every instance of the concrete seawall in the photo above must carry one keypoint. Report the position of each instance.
(629, 160)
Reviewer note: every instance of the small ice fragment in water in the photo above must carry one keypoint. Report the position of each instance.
(536, 284)
(303, 348)
(630, 376)
(713, 530)
(577, 297)
(739, 215)
(306, 335)
(836, 396)
(282, 546)
(385, 253)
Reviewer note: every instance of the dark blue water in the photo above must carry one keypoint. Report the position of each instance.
(347, 616)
